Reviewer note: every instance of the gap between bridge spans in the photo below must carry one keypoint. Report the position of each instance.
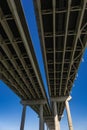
(32, 27)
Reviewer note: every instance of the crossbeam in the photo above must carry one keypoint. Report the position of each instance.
(59, 99)
(33, 102)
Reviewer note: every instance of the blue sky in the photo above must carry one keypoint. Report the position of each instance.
(10, 107)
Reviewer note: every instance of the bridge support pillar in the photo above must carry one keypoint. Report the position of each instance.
(69, 114)
(47, 128)
(56, 120)
(23, 117)
(41, 122)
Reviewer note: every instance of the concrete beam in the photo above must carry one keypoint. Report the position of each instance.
(48, 118)
(33, 102)
(12, 5)
(59, 99)
(50, 123)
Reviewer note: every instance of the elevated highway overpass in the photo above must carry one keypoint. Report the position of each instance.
(63, 36)
(18, 65)
(62, 31)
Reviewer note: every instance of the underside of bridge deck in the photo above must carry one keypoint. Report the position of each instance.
(62, 28)
(18, 65)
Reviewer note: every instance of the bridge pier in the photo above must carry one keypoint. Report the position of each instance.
(47, 128)
(23, 117)
(41, 121)
(56, 120)
(40, 103)
(69, 114)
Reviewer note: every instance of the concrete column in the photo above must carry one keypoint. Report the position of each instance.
(47, 128)
(41, 122)
(23, 118)
(69, 115)
(56, 120)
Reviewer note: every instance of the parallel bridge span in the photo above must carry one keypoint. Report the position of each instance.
(62, 31)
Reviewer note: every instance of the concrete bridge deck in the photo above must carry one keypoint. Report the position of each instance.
(18, 65)
(62, 31)
(63, 37)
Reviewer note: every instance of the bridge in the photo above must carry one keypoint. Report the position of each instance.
(62, 32)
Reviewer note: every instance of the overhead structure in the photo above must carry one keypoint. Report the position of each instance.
(18, 65)
(62, 28)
